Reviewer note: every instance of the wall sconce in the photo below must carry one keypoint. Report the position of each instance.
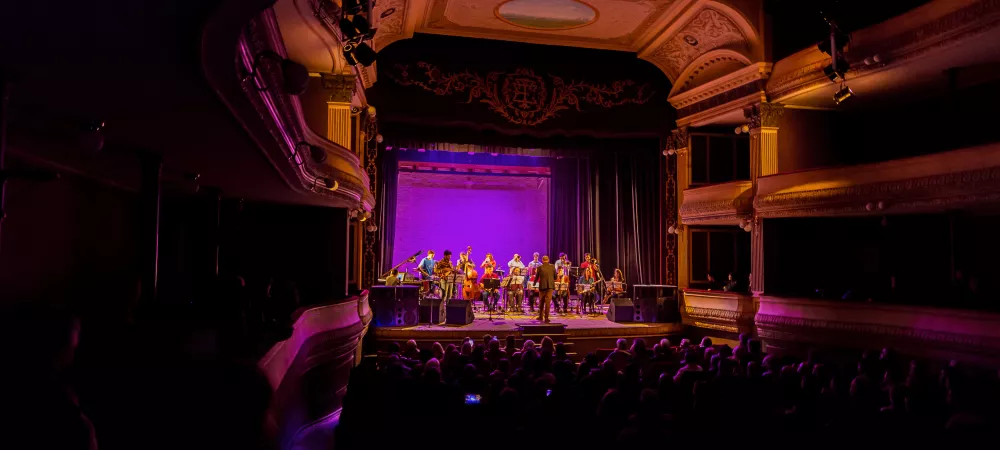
(371, 227)
(294, 76)
(746, 224)
(745, 128)
(675, 229)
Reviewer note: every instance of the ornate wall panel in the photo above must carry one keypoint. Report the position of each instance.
(728, 312)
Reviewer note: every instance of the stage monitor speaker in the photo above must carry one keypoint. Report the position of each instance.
(621, 310)
(432, 311)
(395, 306)
(459, 312)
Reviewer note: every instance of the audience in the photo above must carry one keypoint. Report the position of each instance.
(670, 397)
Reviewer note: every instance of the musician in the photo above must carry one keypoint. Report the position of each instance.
(587, 261)
(546, 275)
(563, 292)
(532, 293)
(393, 278)
(490, 297)
(563, 263)
(587, 297)
(426, 266)
(617, 278)
(515, 291)
(443, 270)
(489, 261)
(516, 262)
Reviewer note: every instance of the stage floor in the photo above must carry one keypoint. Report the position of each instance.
(576, 327)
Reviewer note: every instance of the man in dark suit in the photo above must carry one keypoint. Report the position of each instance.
(546, 274)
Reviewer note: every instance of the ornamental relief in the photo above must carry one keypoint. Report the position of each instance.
(768, 324)
(521, 97)
(710, 29)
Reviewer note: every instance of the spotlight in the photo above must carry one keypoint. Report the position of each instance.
(362, 26)
(348, 29)
(837, 69)
(844, 93)
(318, 155)
(349, 55)
(365, 55)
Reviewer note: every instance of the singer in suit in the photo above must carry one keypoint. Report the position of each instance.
(546, 274)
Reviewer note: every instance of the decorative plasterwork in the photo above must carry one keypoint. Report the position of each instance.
(763, 115)
(393, 27)
(719, 202)
(960, 178)
(340, 87)
(723, 311)
(752, 73)
(618, 25)
(714, 26)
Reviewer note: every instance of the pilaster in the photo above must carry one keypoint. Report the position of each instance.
(341, 93)
(679, 142)
(763, 121)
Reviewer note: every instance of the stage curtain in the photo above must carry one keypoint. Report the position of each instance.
(629, 198)
(386, 208)
(571, 208)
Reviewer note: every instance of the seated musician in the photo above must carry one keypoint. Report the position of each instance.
(562, 291)
(490, 297)
(587, 296)
(515, 291)
(393, 278)
(443, 270)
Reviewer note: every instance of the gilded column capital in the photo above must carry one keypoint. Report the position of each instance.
(763, 115)
(340, 87)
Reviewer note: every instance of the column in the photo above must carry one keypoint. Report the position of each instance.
(680, 142)
(341, 89)
(763, 120)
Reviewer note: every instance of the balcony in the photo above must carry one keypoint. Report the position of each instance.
(729, 312)
(959, 179)
(718, 204)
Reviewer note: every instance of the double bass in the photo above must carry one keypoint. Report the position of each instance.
(470, 288)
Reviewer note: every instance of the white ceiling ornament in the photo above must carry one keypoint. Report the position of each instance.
(708, 30)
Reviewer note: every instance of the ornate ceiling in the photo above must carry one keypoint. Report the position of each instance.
(672, 34)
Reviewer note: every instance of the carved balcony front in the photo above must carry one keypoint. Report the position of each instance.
(717, 204)
(731, 313)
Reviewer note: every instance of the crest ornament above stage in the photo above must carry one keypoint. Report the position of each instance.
(522, 97)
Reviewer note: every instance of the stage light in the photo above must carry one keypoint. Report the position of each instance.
(365, 55)
(348, 29)
(843, 94)
(362, 26)
(494, 154)
(351, 7)
(349, 55)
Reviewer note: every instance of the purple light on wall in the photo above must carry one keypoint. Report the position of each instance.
(499, 214)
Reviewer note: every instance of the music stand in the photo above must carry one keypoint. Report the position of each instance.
(458, 279)
(513, 280)
(490, 285)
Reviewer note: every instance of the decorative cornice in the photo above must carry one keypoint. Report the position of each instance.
(718, 314)
(736, 98)
(738, 79)
(719, 202)
(899, 196)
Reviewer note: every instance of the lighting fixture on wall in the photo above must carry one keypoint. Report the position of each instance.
(675, 229)
(745, 128)
(843, 94)
(294, 76)
(371, 227)
(746, 224)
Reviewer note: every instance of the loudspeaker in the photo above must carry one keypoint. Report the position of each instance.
(621, 310)
(395, 306)
(649, 310)
(459, 312)
(432, 311)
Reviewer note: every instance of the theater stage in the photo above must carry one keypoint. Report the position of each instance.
(584, 333)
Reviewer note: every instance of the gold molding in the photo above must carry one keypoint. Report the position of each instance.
(751, 73)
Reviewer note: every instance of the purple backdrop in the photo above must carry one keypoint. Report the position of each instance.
(500, 214)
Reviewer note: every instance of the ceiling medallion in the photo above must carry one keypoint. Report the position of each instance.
(550, 15)
(691, 40)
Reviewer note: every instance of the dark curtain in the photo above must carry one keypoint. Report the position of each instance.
(388, 173)
(571, 208)
(629, 192)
